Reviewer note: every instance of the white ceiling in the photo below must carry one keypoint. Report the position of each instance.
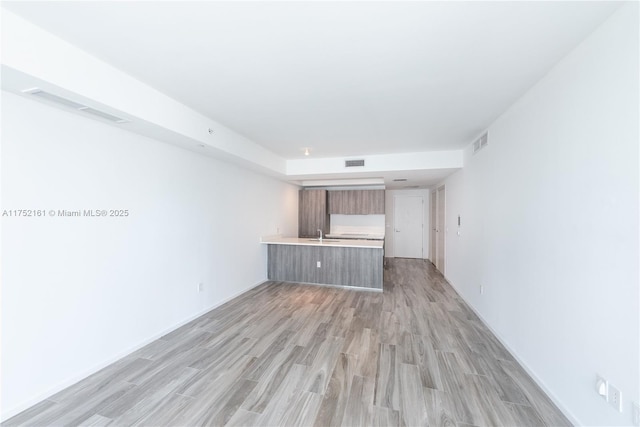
(343, 78)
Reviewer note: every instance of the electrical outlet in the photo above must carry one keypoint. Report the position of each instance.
(200, 287)
(481, 289)
(318, 264)
(615, 398)
(635, 413)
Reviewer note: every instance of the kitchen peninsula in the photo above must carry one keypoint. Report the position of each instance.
(354, 263)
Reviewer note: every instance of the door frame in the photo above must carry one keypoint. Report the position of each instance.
(441, 228)
(433, 212)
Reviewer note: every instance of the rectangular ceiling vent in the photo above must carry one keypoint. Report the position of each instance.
(353, 163)
(50, 97)
(481, 142)
(103, 115)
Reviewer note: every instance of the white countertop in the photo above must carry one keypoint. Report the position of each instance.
(347, 243)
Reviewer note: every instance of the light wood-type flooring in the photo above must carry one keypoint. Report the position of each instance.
(301, 355)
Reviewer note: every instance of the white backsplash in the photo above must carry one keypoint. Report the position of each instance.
(365, 224)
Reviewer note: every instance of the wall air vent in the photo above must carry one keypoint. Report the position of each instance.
(73, 105)
(481, 142)
(353, 163)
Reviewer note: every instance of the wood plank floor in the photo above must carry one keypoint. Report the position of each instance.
(301, 355)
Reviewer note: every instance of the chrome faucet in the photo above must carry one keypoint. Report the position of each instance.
(320, 231)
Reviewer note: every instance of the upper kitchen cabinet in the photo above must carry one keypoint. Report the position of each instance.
(312, 213)
(374, 202)
(356, 202)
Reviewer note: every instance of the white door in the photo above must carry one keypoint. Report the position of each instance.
(440, 230)
(407, 226)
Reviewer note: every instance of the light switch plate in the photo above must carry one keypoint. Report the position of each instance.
(615, 398)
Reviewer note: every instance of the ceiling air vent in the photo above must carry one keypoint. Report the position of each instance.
(353, 163)
(72, 104)
(481, 142)
(54, 98)
(104, 115)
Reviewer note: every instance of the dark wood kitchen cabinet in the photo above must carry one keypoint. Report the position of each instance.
(356, 202)
(313, 213)
(374, 202)
(336, 201)
(345, 266)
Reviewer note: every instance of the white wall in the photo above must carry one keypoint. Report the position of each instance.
(550, 225)
(78, 293)
(433, 160)
(367, 224)
(389, 218)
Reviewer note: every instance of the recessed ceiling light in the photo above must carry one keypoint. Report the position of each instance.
(399, 179)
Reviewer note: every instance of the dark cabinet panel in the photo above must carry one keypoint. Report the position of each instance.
(335, 200)
(359, 267)
(288, 263)
(356, 202)
(376, 202)
(312, 213)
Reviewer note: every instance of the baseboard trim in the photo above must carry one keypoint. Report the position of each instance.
(327, 285)
(527, 369)
(69, 382)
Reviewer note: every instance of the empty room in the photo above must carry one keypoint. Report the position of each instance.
(320, 213)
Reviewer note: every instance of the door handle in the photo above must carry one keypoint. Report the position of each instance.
(397, 231)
